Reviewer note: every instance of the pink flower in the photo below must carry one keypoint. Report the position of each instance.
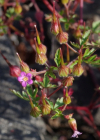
(76, 133)
(25, 78)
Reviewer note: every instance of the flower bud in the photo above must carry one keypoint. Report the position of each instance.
(40, 59)
(63, 71)
(46, 109)
(62, 37)
(54, 23)
(42, 48)
(18, 8)
(15, 71)
(68, 81)
(73, 125)
(67, 100)
(69, 116)
(38, 78)
(77, 33)
(64, 2)
(78, 70)
(24, 67)
(35, 112)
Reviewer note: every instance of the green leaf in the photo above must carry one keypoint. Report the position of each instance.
(25, 96)
(53, 68)
(35, 91)
(84, 37)
(30, 91)
(17, 93)
(63, 20)
(10, 12)
(95, 25)
(88, 53)
(46, 80)
(55, 116)
(66, 25)
(73, 64)
(92, 58)
(51, 86)
(57, 58)
(75, 45)
(50, 103)
(59, 102)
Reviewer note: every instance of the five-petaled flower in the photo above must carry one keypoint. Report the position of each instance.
(25, 78)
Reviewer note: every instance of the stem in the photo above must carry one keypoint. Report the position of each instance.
(61, 56)
(81, 11)
(55, 91)
(71, 48)
(5, 59)
(51, 8)
(68, 56)
(37, 73)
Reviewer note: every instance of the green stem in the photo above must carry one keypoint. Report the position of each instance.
(61, 56)
(68, 55)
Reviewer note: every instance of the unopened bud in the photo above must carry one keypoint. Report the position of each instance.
(38, 78)
(78, 70)
(62, 37)
(15, 71)
(40, 59)
(54, 27)
(68, 81)
(35, 112)
(77, 33)
(67, 100)
(24, 67)
(46, 109)
(63, 71)
(18, 9)
(64, 2)
(42, 48)
(72, 123)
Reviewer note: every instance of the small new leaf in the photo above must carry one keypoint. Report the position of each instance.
(59, 102)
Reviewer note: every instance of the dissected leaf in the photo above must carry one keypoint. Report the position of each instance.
(88, 52)
(59, 102)
(46, 80)
(95, 25)
(50, 103)
(84, 37)
(57, 58)
(75, 45)
(35, 91)
(29, 91)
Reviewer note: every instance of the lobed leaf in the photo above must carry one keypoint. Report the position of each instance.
(57, 58)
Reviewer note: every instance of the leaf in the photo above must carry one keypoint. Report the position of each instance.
(57, 58)
(17, 93)
(86, 52)
(50, 103)
(46, 80)
(66, 25)
(75, 45)
(89, 53)
(51, 86)
(74, 63)
(10, 12)
(84, 37)
(25, 96)
(59, 102)
(63, 20)
(53, 68)
(91, 58)
(95, 25)
(30, 91)
(55, 116)
(35, 91)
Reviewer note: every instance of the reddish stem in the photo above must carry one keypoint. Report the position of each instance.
(55, 91)
(81, 11)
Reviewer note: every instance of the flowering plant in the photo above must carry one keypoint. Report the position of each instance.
(64, 71)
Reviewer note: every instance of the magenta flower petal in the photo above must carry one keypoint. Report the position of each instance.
(20, 78)
(76, 133)
(29, 75)
(23, 74)
(30, 82)
(24, 84)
